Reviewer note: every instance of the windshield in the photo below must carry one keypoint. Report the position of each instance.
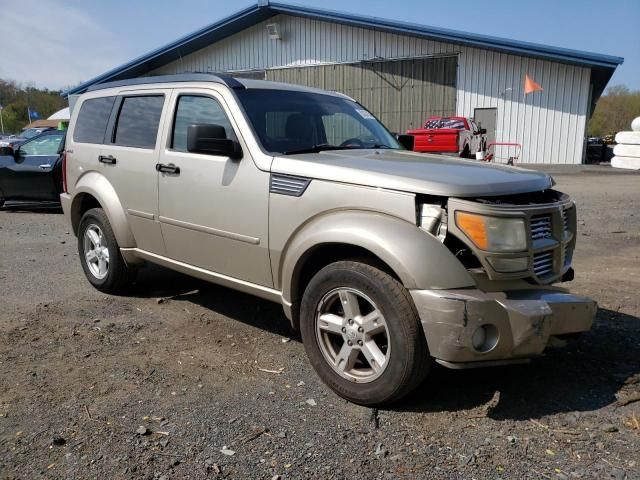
(30, 132)
(289, 122)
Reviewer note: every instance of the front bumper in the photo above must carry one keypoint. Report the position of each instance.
(517, 324)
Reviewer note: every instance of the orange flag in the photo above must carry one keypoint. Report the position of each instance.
(530, 86)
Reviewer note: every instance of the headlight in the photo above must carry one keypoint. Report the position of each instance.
(493, 234)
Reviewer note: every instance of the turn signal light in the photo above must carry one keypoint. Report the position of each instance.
(474, 227)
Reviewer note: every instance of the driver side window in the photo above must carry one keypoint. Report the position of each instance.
(194, 109)
(340, 127)
(47, 145)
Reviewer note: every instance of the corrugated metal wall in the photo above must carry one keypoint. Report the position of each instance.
(400, 93)
(550, 124)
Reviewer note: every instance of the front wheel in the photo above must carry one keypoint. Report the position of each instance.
(100, 255)
(362, 334)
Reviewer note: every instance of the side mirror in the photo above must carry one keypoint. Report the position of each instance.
(407, 141)
(483, 131)
(212, 139)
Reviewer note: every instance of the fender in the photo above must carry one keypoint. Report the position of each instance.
(415, 256)
(99, 187)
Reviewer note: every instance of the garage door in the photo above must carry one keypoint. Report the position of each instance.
(401, 93)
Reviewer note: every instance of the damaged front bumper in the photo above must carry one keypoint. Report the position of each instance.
(470, 328)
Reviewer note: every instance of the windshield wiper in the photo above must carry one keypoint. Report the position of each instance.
(322, 147)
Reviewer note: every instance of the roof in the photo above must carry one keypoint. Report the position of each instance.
(63, 114)
(42, 124)
(231, 82)
(603, 66)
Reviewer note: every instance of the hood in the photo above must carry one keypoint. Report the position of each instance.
(414, 172)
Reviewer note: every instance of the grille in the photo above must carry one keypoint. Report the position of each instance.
(541, 227)
(543, 263)
(288, 185)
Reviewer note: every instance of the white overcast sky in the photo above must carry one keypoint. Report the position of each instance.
(60, 43)
(52, 46)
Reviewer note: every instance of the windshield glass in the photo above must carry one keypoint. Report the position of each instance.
(290, 122)
(29, 132)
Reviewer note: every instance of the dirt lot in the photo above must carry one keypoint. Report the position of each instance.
(94, 386)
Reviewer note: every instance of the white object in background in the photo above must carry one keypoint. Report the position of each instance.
(623, 150)
(61, 115)
(630, 138)
(635, 125)
(480, 155)
(630, 163)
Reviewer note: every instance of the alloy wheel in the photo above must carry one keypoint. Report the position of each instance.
(96, 251)
(352, 335)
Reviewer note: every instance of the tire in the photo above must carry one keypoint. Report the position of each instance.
(116, 275)
(465, 152)
(378, 294)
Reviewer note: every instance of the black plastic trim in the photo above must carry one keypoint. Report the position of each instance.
(227, 80)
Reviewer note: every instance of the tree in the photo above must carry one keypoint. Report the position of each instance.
(615, 111)
(15, 100)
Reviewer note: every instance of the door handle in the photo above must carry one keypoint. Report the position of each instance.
(109, 160)
(44, 166)
(168, 168)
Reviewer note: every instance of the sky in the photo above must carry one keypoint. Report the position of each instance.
(60, 43)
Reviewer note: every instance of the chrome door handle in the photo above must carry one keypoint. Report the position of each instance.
(168, 168)
(109, 160)
(44, 166)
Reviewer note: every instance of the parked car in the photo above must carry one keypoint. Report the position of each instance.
(10, 141)
(386, 260)
(457, 135)
(32, 172)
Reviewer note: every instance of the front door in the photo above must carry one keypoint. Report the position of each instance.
(30, 174)
(213, 210)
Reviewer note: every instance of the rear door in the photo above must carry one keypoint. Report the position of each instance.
(128, 160)
(30, 174)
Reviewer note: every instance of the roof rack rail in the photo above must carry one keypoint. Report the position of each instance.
(223, 79)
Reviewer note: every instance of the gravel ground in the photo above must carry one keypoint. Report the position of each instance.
(167, 383)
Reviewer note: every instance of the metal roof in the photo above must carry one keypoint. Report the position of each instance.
(603, 66)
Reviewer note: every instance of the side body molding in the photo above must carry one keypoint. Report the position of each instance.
(99, 187)
(417, 258)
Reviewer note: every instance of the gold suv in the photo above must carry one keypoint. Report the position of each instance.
(385, 259)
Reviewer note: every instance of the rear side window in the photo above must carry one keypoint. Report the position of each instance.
(193, 109)
(137, 124)
(92, 120)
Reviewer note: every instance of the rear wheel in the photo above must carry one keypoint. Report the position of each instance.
(362, 333)
(465, 152)
(100, 255)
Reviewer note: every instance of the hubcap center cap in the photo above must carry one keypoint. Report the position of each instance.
(352, 333)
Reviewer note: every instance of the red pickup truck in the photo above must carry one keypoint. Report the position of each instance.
(458, 135)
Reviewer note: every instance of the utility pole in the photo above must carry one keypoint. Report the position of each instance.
(1, 121)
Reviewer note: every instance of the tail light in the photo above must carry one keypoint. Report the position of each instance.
(64, 172)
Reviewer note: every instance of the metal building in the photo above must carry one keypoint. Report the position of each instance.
(402, 72)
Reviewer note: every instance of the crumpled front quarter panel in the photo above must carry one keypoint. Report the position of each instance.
(380, 221)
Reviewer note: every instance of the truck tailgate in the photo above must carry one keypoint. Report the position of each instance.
(435, 140)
